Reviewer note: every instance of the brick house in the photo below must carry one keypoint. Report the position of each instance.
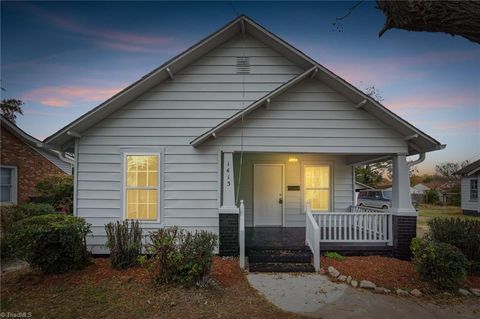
(24, 161)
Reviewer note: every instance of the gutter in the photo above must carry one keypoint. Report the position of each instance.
(421, 158)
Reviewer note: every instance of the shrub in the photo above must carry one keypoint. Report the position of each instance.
(463, 234)
(181, 257)
(334, 255)
(432, 197)
(442, 264)
(56, 190)
(125, 243)
(54, 243)
(9, 215)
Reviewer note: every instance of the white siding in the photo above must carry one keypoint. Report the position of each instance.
(468, 204)
(294, 215)
(167, 118)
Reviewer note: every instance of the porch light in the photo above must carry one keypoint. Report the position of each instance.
(292, 159)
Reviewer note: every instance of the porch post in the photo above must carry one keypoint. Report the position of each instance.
(404, 221)
(228, 212)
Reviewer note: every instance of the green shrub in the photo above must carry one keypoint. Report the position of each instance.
(334, 255)
(439, 263)
(463, 234)
(54, 243)
(181, 257)
(125, 243)
(432, 197)
(56, 190)
(9, 215)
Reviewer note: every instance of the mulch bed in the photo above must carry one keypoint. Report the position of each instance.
(384, 271)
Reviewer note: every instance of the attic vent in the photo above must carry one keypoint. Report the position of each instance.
(243, 65)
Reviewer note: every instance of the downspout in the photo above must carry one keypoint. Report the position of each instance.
(421, 158)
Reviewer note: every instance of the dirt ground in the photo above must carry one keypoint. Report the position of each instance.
(101, 292)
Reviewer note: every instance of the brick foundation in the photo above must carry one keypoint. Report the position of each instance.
(404, 230)
(228, 235)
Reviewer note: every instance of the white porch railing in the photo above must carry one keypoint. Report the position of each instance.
(241, 234)
(312, 237)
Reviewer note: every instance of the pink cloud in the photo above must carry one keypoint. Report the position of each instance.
(435, 100)
(113, 39)
(469, 124)
(57, 96)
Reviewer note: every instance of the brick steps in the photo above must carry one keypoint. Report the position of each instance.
(280, 260)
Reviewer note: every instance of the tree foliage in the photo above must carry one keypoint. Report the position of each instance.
(370, 174)
(10, 108)
(448, 170)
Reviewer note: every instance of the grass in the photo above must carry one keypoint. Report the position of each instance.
(428, 212)
(334, 255)
(100, 292)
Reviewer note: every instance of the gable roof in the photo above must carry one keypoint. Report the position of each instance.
(418, 141)
(470, 169)
(53, 156)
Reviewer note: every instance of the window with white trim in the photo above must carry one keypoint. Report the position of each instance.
(474, 189)
(142, 187)
(8, 185)
(317, 190)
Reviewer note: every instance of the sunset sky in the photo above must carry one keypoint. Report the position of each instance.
(63, 59)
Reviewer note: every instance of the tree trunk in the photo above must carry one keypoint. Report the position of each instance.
(453, 17)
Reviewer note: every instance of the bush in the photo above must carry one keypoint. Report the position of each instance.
(334, 255)
(463, 234)
(56, 190)
(54, 243)
(432, 197)
(439, 263)
(125, 243)
(9, 215)
(181, 257)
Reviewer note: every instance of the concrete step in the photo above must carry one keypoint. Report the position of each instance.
(280, 267)
(280, 256)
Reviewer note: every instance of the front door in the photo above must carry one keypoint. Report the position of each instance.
(268, 194)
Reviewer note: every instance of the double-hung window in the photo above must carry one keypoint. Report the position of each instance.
(142, 186)
(474, 189)
(317, 187)
(8, 185)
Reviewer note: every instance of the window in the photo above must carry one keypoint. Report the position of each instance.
(317, 187)
(474, 189)
(8, 185)
(142, 186)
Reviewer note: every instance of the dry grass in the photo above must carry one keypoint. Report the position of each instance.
(100, 292)
(428, 212)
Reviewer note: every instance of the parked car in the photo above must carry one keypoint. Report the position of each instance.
(375, 198)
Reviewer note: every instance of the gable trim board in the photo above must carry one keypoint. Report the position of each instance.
(420, 143)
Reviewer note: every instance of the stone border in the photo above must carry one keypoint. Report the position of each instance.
(335, 274)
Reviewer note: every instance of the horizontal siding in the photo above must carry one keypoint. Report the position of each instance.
(466, 202)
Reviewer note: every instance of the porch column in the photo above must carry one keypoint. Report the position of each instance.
(228, 212)
(404, 221)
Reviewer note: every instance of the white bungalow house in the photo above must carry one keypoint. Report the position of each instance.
(245, 136)
(470, 177)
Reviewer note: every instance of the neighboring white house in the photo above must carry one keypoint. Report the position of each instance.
(420, 188)
(469, 187)
(242, 116)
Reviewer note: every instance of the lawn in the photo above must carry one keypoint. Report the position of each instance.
(428, 212)
(100, 292)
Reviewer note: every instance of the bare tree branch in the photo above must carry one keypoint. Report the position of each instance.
(453, 17)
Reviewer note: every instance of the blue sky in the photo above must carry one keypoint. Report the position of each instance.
(64, 58)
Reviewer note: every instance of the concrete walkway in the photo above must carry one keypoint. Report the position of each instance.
(315, 295)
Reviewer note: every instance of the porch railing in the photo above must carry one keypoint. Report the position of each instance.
(241, 234)
(312, 237)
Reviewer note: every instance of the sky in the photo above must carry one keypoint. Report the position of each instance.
(64, 58)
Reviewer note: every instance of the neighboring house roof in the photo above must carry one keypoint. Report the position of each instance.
(418, 141)
(470, 169)
(53, 156)
(421, 187)
(361, 186)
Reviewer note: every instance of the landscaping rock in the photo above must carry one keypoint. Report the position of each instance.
(464, 292)
(381, 290)
(401, 292)
(387, 291)
(349, 279)
(367, 284)
(342, 278)
(416, 293)
(354, 283)
(333, 272)
(475, 291)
